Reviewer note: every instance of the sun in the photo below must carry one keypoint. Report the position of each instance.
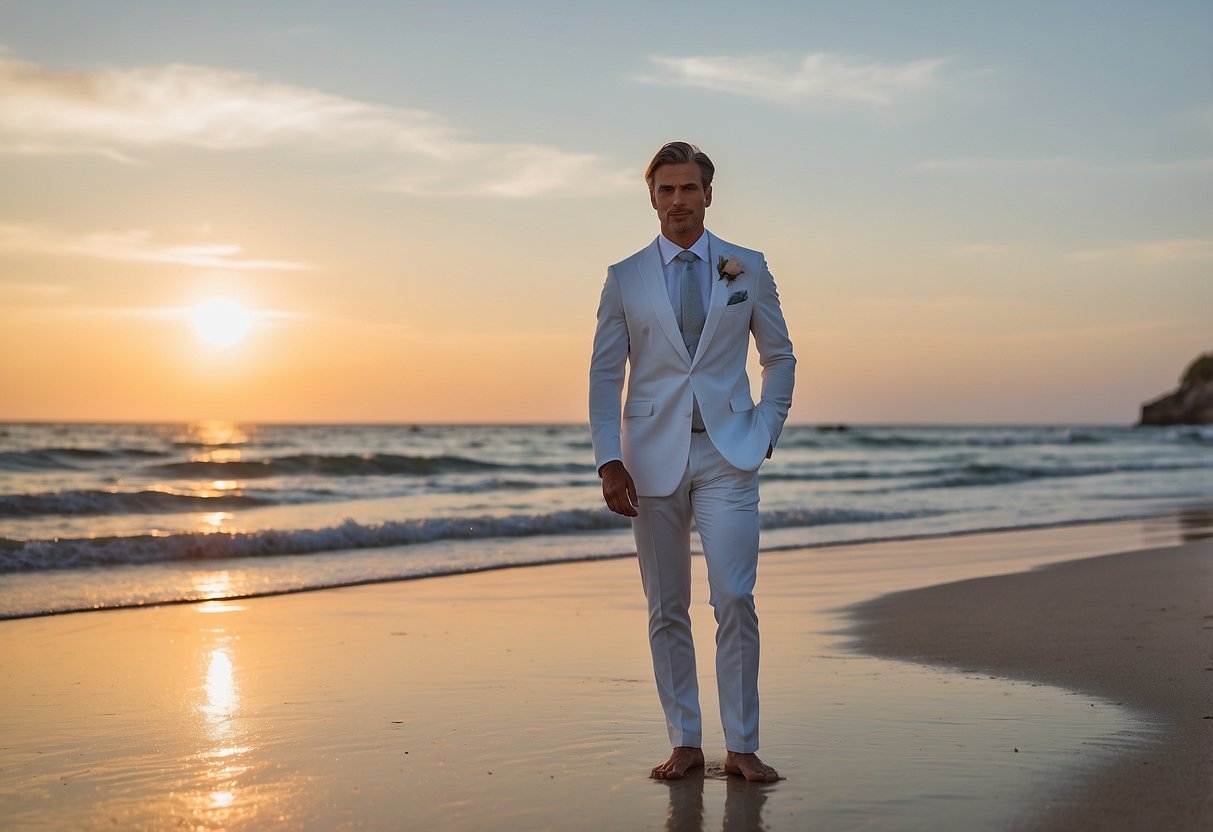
(221, 321)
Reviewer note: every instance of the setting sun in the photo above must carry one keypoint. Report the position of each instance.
(221, 322)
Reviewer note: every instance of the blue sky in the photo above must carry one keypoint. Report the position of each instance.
(975, 211)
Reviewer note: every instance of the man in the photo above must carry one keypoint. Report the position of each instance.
(681, 312)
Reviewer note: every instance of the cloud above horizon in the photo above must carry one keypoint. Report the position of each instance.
(117, 113)
(817, 76)
(135, 246)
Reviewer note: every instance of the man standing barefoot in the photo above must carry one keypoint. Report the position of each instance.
(687, 443)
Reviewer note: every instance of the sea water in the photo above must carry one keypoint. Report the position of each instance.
(96, 516)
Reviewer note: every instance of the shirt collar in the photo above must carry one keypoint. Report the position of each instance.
(671, 250)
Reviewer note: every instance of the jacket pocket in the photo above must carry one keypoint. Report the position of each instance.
(637, 408)
(742, 403)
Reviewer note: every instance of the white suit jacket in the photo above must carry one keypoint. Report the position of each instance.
(651, 433)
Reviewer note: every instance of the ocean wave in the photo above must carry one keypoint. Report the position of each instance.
(1198, 434)
(851, 473)
(978, 474)
(798, 518)
(1065, 436)
(92, 502)
(96, 502)
(41, 555)
(47, 459)
(921, 440)
(492, 484)
(243, 444)
(345, 465)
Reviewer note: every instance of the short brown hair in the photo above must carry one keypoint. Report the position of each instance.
(679, 153)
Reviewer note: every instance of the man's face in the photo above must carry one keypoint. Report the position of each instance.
(681, 201)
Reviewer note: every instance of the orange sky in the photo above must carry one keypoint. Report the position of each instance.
(961, 231)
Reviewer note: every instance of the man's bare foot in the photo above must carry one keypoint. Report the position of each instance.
(749, 767)
(682, 759)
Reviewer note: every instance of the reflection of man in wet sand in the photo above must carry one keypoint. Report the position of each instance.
(743, 805)
(678, 315)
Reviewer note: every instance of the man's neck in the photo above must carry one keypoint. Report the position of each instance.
(686, 240)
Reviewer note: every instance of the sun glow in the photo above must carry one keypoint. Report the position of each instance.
(221, 321)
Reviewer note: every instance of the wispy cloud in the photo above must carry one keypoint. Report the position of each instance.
(33, 149)
(119, 113)
(818, 76)
(1153, 252)
(138, 246)
(516, 170)
(259, 317)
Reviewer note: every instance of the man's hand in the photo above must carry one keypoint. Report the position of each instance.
(618, 489)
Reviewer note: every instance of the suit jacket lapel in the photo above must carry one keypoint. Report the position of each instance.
(716, 249)
(652, 273)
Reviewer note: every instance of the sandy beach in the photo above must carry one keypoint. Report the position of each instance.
(522, 698)
(1135, 628)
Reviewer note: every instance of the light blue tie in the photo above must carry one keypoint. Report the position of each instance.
(691, 320)
(692, 303)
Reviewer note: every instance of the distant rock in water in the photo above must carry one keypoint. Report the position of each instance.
(1191, 404)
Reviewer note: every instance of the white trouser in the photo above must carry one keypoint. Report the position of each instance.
(723, 501)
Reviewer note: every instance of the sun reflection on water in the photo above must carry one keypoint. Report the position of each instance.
(231, 787)
(222, 796)
(216, 432)
(213, 521)
(217, 455)
(221, 693)
(215, 607)
(199, 754)
(213, 584)
(196, 488)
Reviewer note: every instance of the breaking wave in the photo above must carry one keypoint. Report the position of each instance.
(74, 553)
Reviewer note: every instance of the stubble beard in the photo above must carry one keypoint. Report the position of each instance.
(685, 226)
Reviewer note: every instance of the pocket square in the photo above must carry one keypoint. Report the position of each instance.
(738, 297)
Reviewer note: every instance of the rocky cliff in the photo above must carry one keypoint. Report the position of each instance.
(1191, 404)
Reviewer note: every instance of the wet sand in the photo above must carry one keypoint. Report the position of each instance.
(1135, 628)
(522, 699)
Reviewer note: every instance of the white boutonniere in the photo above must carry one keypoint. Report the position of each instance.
(729, 269)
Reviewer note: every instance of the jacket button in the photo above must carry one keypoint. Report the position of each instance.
(686, 413)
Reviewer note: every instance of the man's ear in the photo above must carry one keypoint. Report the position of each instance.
(653, 198)
(707, 196)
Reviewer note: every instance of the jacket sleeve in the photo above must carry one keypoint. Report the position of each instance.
(607, 365)
(774, 354)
